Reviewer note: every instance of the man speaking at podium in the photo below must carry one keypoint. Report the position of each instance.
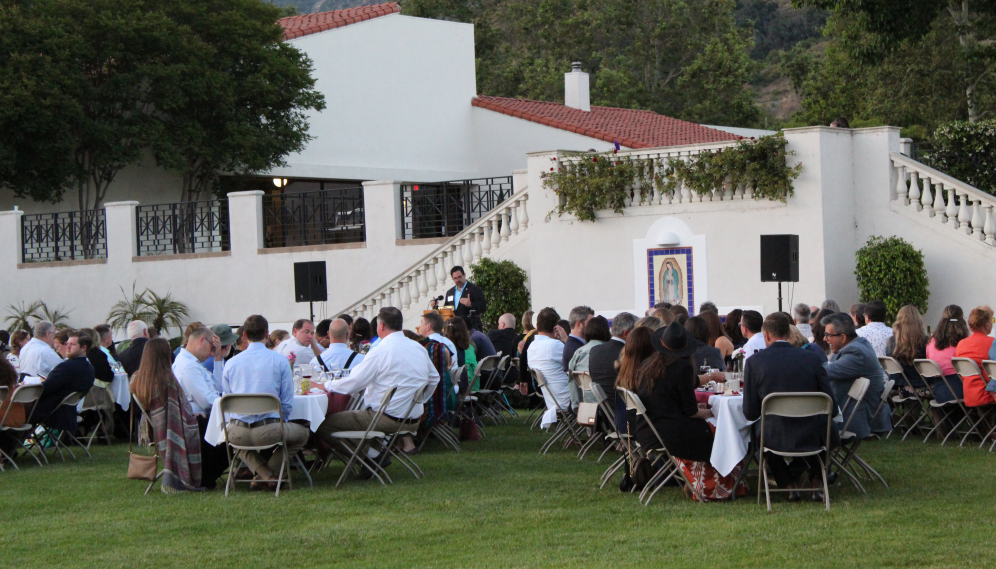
(464, 297)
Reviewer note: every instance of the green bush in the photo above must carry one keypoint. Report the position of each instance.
(504, 286)
(967, 151)
(891, 270)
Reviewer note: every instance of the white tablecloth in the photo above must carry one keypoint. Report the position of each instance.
(732, 432)
(119, 390)
(304, 407)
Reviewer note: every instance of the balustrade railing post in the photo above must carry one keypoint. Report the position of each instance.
(430, 273)
(977, 219)
(478, 250)
(927, 199)
(988, 228)
(486, 238)
(513, 223)
(406, 296)
(523, 214)
(441, 269)
(495, 232)
(938, 205)
(963, 214)
(901, 191)
(951, 211)
(915, 190)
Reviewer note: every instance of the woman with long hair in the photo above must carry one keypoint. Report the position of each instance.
(942, 346)
(908, 343)
(978, 347)
(638, 348)
(455, 329)
(732, 328)
(705, 354)
(360, 336)
(666, 385)
(17, 341)
(177, 438)
(718, 338)
(818, 332)
(664, 315)
(15, 417)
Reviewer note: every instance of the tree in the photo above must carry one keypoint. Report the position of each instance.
(235, 95)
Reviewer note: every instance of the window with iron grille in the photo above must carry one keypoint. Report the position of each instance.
(443, 209)
(63, 236)
(177, 228)
(314, 218)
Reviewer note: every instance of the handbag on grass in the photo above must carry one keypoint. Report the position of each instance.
(140, 466)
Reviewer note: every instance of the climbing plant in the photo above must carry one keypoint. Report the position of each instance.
(891, 270)
(588, 182)
(504, 285)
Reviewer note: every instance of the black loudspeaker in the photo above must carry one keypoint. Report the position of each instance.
(309, 282)
(780, 258)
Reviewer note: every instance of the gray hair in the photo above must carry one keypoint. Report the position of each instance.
(579, 314)
(830, 304)
(802, 312)
(339, 331)
(622, 323)
(842, 324)
(136, 328)
(43, 328)
(202, 332)
(508, 320)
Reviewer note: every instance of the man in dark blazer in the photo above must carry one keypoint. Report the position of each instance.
(783, 367)
(464, 296)
(131, 357)
(602, 364)
(503, 339)
(579, 316)
(73, 375)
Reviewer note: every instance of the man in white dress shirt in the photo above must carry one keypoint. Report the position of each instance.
(397, 362)
(37, 356)
(200, 385)
(302, 343)
(338, 356)
(546, 354)
(751, 323)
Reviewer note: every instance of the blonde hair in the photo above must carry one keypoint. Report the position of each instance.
(664, 315)
(796, 338)
(979, 317)
(651, 322)
(909, 333)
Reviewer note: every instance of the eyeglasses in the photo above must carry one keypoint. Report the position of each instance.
(831, 335)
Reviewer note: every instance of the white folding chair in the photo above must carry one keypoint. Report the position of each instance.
(976, 416)
(152, 443)
(26, 395)
(254, 404)
(360, 441)
(72, 400)
(487, 393)
(583, 381)
(796, 405)
(914, 407)
(852, 454)
(95, 401)
(613, 437)
(849, 439)
(565, 417)
(929, 370)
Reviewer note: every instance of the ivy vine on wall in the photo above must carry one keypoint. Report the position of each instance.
(587, 182)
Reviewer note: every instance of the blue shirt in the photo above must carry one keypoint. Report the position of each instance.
(458, 293)
(374, 343)
(258, 370)
(338, 354)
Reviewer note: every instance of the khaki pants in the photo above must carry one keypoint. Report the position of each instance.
(297, 437)
(354, 421)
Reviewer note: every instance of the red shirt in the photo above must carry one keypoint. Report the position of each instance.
(975, 347)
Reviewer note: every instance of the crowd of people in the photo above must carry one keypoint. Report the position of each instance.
(664, 357)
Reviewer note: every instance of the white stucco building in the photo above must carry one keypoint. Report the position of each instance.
(366, 197)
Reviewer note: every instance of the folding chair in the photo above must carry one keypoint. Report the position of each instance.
(254, 404)
(466, 402)
(852, 455)
(93, 402)
(131, 430)
(990, 367)
(583, 380)
(25, 395)
(565, 417)
(360, 441)
(669, 466)
(613, 437)
(848, 439)
(915, 408)
(795, 405)
(487, 393)
(506, 386)
(966, 367)
(929, 370)
(72, 400)
(410, 431)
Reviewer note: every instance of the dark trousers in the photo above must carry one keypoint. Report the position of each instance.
(214, 459)
(785, 473)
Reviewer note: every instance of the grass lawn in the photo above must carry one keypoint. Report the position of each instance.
(499, 504)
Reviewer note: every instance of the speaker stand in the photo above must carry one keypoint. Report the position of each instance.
(311, 304)
(779, 298)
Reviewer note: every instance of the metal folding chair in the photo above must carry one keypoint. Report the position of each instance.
(360, 441)
(976, 416)
(848, 439)
(852, 455)
(565, 418)
(410, 431)
(487, 394)
(914, 407)
(254, 404)
(466, 402)
(796, 405)
(613, 437)
(507, 386)
(71, 400)
(929, 370)
(92, 402)
(25, 395)
(990, 367)
(152, 443)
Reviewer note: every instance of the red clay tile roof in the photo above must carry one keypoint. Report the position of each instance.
(306, 24)
(631, 128)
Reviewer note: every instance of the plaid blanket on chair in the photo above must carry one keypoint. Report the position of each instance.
(177, 440)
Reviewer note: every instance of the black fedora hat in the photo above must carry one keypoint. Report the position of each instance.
(673, 340)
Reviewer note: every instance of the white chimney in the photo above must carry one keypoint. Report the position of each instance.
(576, 88)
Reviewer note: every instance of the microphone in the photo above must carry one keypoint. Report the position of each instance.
(440, 297)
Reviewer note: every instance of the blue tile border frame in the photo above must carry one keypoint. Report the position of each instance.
(689, 274)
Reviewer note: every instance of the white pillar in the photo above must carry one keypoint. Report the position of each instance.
(122, 233)
(430, 274)
(10, 244)
(513, 224)
(495, 232)
(951, 212)
(441, 269)
(989, 228)
(505, 232)
(245, 214)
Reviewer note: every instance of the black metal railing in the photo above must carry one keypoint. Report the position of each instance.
(186, 227)
(443, 209)
(314, 218)
(64, 236)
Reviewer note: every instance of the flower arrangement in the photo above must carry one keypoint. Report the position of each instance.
(739, 355)
(292, 359)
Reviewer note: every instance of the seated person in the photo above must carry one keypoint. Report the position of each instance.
(16, 416)
(783, 367)
(908, 343)
(545, 354)
(504, 341)
(74, 375)
(942, 346)
(595, 332)
(977, 347)
(706, 355)
(37, 358)
(798, 340)
(397, 362)
(666, 385)
(302, 343)
(455, 330)
(177, 439)
(854, 357)
(338, 356)
(131, 356)
(258, 370)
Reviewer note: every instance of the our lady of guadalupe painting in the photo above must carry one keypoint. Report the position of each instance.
(670, 276)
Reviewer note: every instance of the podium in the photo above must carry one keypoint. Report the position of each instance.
(445, 311)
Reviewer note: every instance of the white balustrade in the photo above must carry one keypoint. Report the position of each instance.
(927, 199)
(988, 228)
(478, 250)
(951, 212)
(406, 297)
(901, 190)
(430, 276)
(938, 205)
(486, 239)
(914, 191)
(441, 269)
(977, 221)
(523, 214)
(513, 222)
(505, 233)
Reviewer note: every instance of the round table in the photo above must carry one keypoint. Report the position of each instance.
(310, 407)
(732, 432)
(120, 390)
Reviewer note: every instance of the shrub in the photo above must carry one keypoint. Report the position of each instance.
(891, 270)
(967, 151)
(504, 286)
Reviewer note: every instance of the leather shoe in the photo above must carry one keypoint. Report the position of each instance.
(832, 478)
(794, 496)
(817, 496)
